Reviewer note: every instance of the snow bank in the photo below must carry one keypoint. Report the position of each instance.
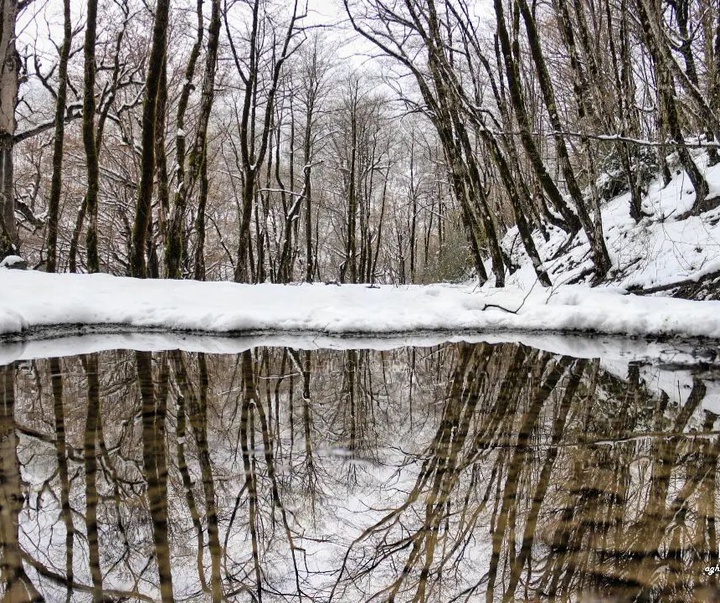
(31, 300)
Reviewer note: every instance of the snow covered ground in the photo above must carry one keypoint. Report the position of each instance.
(31, 300)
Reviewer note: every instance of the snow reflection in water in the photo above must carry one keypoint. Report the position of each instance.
(458, 472)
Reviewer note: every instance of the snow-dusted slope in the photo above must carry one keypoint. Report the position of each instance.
(658, 251)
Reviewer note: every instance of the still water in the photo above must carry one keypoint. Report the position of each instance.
(459, 472)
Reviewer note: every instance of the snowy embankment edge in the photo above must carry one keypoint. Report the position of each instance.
(35, 304)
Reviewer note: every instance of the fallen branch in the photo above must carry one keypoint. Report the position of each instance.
(693, 281)
(499, 308)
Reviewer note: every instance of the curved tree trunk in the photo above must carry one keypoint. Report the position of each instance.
(520, 109)
(520, 200)
(593, 229)
(669, 115)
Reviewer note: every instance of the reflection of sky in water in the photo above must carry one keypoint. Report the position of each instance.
(415, 473)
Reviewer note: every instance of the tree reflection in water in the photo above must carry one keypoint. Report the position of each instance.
(456, 473)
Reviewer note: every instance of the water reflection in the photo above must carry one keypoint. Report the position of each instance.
(462, 472)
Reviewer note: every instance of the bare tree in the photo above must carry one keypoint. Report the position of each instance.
(58, 146)
(188, 175)
(121, 76)
(314, 81)
(268, 45)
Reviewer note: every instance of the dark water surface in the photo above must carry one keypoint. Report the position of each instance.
(460, 472)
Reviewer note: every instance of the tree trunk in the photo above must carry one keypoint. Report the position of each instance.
(243, 271)
(89, 141)
(656, 39)
(154, 438)
(144, 203)
(682, 16)
(9, 68)
(198, 156)
(199, 274)
(481, 201)
(668, 106)
(593, 230)
(625, 106)
(715, 83)
(518, 103)
(17, 586)
(99, 130)
(92, 498)
(307, 188)
(175, 243)
(161, 165)
(255, 133)
(54, 201)
(351, 247)
(519, 207)
(62, 457)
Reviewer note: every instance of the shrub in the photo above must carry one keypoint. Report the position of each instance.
(613, 179)
(452, 262)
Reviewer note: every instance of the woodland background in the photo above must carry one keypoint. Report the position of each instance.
(397, 142)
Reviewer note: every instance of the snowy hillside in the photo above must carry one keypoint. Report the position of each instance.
(664, 253)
